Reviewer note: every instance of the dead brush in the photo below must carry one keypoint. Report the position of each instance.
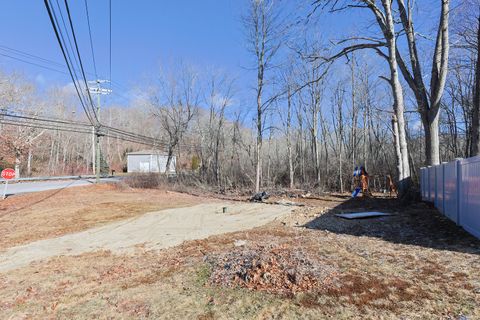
(278, 270)
(143, 181)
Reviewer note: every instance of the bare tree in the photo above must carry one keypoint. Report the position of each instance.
(175, 104)
(428, 103)
(475, 146)
(384, 17)
(219, 96)
(338, 120)
(464, 84)
(18, 96)
(263, 27)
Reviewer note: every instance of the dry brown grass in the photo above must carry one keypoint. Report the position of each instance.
(380, 277)
(42, 215)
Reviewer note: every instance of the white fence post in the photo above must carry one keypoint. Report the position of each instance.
(436, 187)
(430, 195)
(459, 189)
(442, 204)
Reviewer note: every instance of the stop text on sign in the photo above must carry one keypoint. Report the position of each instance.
(8, 174)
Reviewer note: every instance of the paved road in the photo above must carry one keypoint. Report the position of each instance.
(26, 187)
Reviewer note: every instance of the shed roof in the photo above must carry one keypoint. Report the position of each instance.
(148, 152)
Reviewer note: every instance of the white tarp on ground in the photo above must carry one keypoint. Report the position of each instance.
(362, 215)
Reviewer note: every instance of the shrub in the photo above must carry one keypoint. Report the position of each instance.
(143, 180)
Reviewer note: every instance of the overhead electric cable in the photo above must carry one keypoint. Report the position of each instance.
(32, 120)
(68, 61)
(91, 41)
(110, 41)
(32, 63)
(72, 51)
(59, 39)
(80, 61)
(43, 119)
(30, 56)
(11, 52)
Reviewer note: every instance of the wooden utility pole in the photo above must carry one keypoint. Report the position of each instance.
(96, 129)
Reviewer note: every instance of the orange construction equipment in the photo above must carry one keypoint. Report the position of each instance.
(364, 180)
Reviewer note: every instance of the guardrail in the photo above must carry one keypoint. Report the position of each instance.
(454, 189)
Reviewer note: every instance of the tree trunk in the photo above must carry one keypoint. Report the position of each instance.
(475, 143)
(17, 163)
(258, 146)
(169, 157)
(315, 110)
(398, 103)
(428, 104)
(289, 140)
(258, 150)
(29, 163)
(354, 116)
(432, 139)
(316, 155)
(94, 169)
(269, 161)
(396, 140)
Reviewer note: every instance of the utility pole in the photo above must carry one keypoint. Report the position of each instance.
(98, 90)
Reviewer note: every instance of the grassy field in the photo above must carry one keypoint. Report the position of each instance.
(413, 265)
(42, 215)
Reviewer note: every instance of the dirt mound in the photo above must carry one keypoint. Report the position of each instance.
(278, 270)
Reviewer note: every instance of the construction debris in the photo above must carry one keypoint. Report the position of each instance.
(284, 202)
(239, 243)
(277, 270)
(259, 197)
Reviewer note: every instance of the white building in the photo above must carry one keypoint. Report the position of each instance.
(149, 161)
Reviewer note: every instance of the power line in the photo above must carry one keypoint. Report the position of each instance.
(70, 52)
(66, 57)
(110, 41)
(31, 63)
(44, 119)
(12, 52)
(77, 66)
(33, 124)
(91, 41)
(100, 130)
(28, 55)
(33, 120)
(80, 61)
(152, 142)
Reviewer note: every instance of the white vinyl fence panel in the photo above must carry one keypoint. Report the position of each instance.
(431, 184)
(469, 195)
(450, 205)
(440, 186)
(454, 188)
(424, 183)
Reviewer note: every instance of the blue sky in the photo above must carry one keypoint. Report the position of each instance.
(145, 35)
(150, 34)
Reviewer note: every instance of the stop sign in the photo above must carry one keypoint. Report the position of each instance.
(8, 174)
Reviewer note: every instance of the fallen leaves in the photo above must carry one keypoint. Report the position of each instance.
(274, 269)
